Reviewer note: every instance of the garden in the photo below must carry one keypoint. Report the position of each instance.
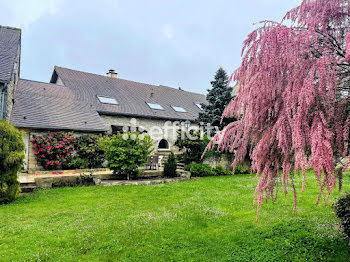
(207, 219)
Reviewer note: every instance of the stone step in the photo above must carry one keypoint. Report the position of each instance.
(27, 187)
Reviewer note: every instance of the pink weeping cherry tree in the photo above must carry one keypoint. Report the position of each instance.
(293, 99)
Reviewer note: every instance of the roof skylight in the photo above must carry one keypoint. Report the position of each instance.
(199, 106)
(155, 106)
(179, 109)
(107, 100)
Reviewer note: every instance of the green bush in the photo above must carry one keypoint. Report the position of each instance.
(201, 170)
(126, 153)
(220, 171)
(193, 148)
(87, 147)
(342, 211)
(76, 163)
(241, 170)
(170, 166)
(11, 161)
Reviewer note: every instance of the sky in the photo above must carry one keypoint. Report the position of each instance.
(175, 43)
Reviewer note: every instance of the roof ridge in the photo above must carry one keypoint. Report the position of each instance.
(36, 81)
(157, 86)
(10, 27)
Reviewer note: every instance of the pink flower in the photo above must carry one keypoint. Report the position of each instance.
(36, 152)
(49, 137)
(56, 162)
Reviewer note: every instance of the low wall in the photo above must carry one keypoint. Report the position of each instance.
(224, 160)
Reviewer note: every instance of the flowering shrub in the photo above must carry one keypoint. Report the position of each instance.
(54, 150)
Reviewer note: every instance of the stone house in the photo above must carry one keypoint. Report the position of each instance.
(88, 103)
(10, 53)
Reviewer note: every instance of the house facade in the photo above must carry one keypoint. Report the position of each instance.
(10, 53)
(88, 103)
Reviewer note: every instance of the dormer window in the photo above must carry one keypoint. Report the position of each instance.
(107, 100)
(179, 109)
(199, 106)
(155, 106)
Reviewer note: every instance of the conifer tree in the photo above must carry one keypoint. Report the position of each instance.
(218, 98)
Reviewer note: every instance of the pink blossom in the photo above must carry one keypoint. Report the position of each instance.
(290, 106)
(347, 47)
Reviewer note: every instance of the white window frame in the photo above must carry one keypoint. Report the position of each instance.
(179, 109)
(155, 106)
(107, 100)
(199, 106)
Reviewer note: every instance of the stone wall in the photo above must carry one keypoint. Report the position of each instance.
(156, 128)
(224, 160)
(11, 87)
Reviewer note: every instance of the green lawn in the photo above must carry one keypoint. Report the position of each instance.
(208, 219)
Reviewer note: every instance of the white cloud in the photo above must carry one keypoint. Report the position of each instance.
(168, 31)
(24, 12)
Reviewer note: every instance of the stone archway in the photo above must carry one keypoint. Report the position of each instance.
(163, 145)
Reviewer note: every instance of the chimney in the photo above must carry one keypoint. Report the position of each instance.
(112, 73)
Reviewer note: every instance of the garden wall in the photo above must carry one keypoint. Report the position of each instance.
(224, 160)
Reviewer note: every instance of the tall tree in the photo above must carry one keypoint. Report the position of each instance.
(218, 97)
(293, 100)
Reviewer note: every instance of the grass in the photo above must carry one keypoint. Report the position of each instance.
(209, 219)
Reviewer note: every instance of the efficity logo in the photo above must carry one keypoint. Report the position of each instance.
(171, 129)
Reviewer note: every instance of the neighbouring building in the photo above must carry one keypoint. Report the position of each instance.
(10, 53)
(88, 103)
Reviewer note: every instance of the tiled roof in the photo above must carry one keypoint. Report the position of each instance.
(131, 96)
(10, 44)
(49, 106)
